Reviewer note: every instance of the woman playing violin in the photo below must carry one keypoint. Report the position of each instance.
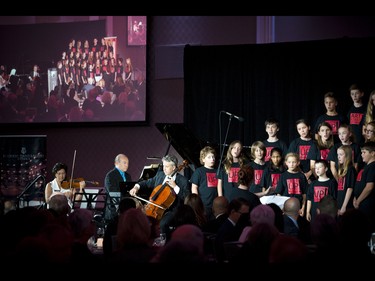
(59, 185)
(178, 182)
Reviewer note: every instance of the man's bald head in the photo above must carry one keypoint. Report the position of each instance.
(220, 205)
(292, 206)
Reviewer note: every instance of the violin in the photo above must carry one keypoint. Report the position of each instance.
(75, 183)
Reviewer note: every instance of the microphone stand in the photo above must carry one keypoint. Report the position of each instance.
(222, 148)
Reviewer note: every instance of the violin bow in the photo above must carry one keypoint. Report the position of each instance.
(71, 177)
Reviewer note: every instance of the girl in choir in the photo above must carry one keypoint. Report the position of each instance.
(320, 148)
(233, 162)
(346, 176)
(346, 137)
(301, 146)
(293, 182)
(272, 173)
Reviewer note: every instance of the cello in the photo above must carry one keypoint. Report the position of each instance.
(161, 198)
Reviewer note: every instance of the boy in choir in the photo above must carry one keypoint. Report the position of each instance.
(331, 116)
(272, 129)
(319, 188)
(204, 180)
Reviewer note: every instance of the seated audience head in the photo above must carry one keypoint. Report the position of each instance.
(133, 228)
(237, 208)
(327, 205)
(186, 245)
(245, 175)
(59, 204)
(190, 233)
(324, 231)
(292, 207)
(262, 213)
(126, 203)
(220, 205)
(82, 225)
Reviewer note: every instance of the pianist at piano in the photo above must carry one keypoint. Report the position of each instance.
(112, 182)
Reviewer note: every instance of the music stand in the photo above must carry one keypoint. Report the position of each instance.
(92, 198)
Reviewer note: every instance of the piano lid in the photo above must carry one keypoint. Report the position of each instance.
(183, 141)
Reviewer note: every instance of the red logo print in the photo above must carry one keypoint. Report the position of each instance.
(211, 180)
(233, 175)
(303, 151)
(275, 179)
(355, 118)
(341, 184)
(293, 186)
(320, 192)
(335, 124)
(257, 176)
(268, 153)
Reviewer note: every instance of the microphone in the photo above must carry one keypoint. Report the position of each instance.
(241, 119)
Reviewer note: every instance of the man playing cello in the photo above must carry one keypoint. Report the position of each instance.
(171, 183)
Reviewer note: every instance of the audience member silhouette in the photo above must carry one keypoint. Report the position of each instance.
(126, 203)
(231, 229)
(133, 239)
(186, 246)
(220, 212)
(294, 224)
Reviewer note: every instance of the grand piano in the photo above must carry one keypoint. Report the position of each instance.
(184, 142)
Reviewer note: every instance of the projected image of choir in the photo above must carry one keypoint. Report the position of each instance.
(86, 72)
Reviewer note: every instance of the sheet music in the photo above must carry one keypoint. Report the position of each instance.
(278, 200)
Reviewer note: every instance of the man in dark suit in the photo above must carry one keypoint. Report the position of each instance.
(178, 187)
(220, 212)
(294, 224)
(112, 183)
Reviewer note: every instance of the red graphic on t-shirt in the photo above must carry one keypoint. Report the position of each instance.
(257, 176)
(324, 154)
(268, 153)
(211, 180)
(355, 118)
(359, 176)
(233, 175)
(340, 184)
(335, 124)
(320, 192)
(275, 179)
(303, 151)
(293, 186)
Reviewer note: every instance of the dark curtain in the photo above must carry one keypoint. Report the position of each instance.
(286, 81)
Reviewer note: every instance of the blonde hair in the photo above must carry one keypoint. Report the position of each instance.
(205, 151)
(292, 154)
(344, 167)
(260, 145)
(370, 109)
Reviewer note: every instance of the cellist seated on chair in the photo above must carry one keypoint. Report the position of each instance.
(171, 183)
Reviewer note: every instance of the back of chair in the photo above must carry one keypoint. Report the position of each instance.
(231, 250)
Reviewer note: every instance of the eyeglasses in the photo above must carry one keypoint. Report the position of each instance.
(370, 131)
